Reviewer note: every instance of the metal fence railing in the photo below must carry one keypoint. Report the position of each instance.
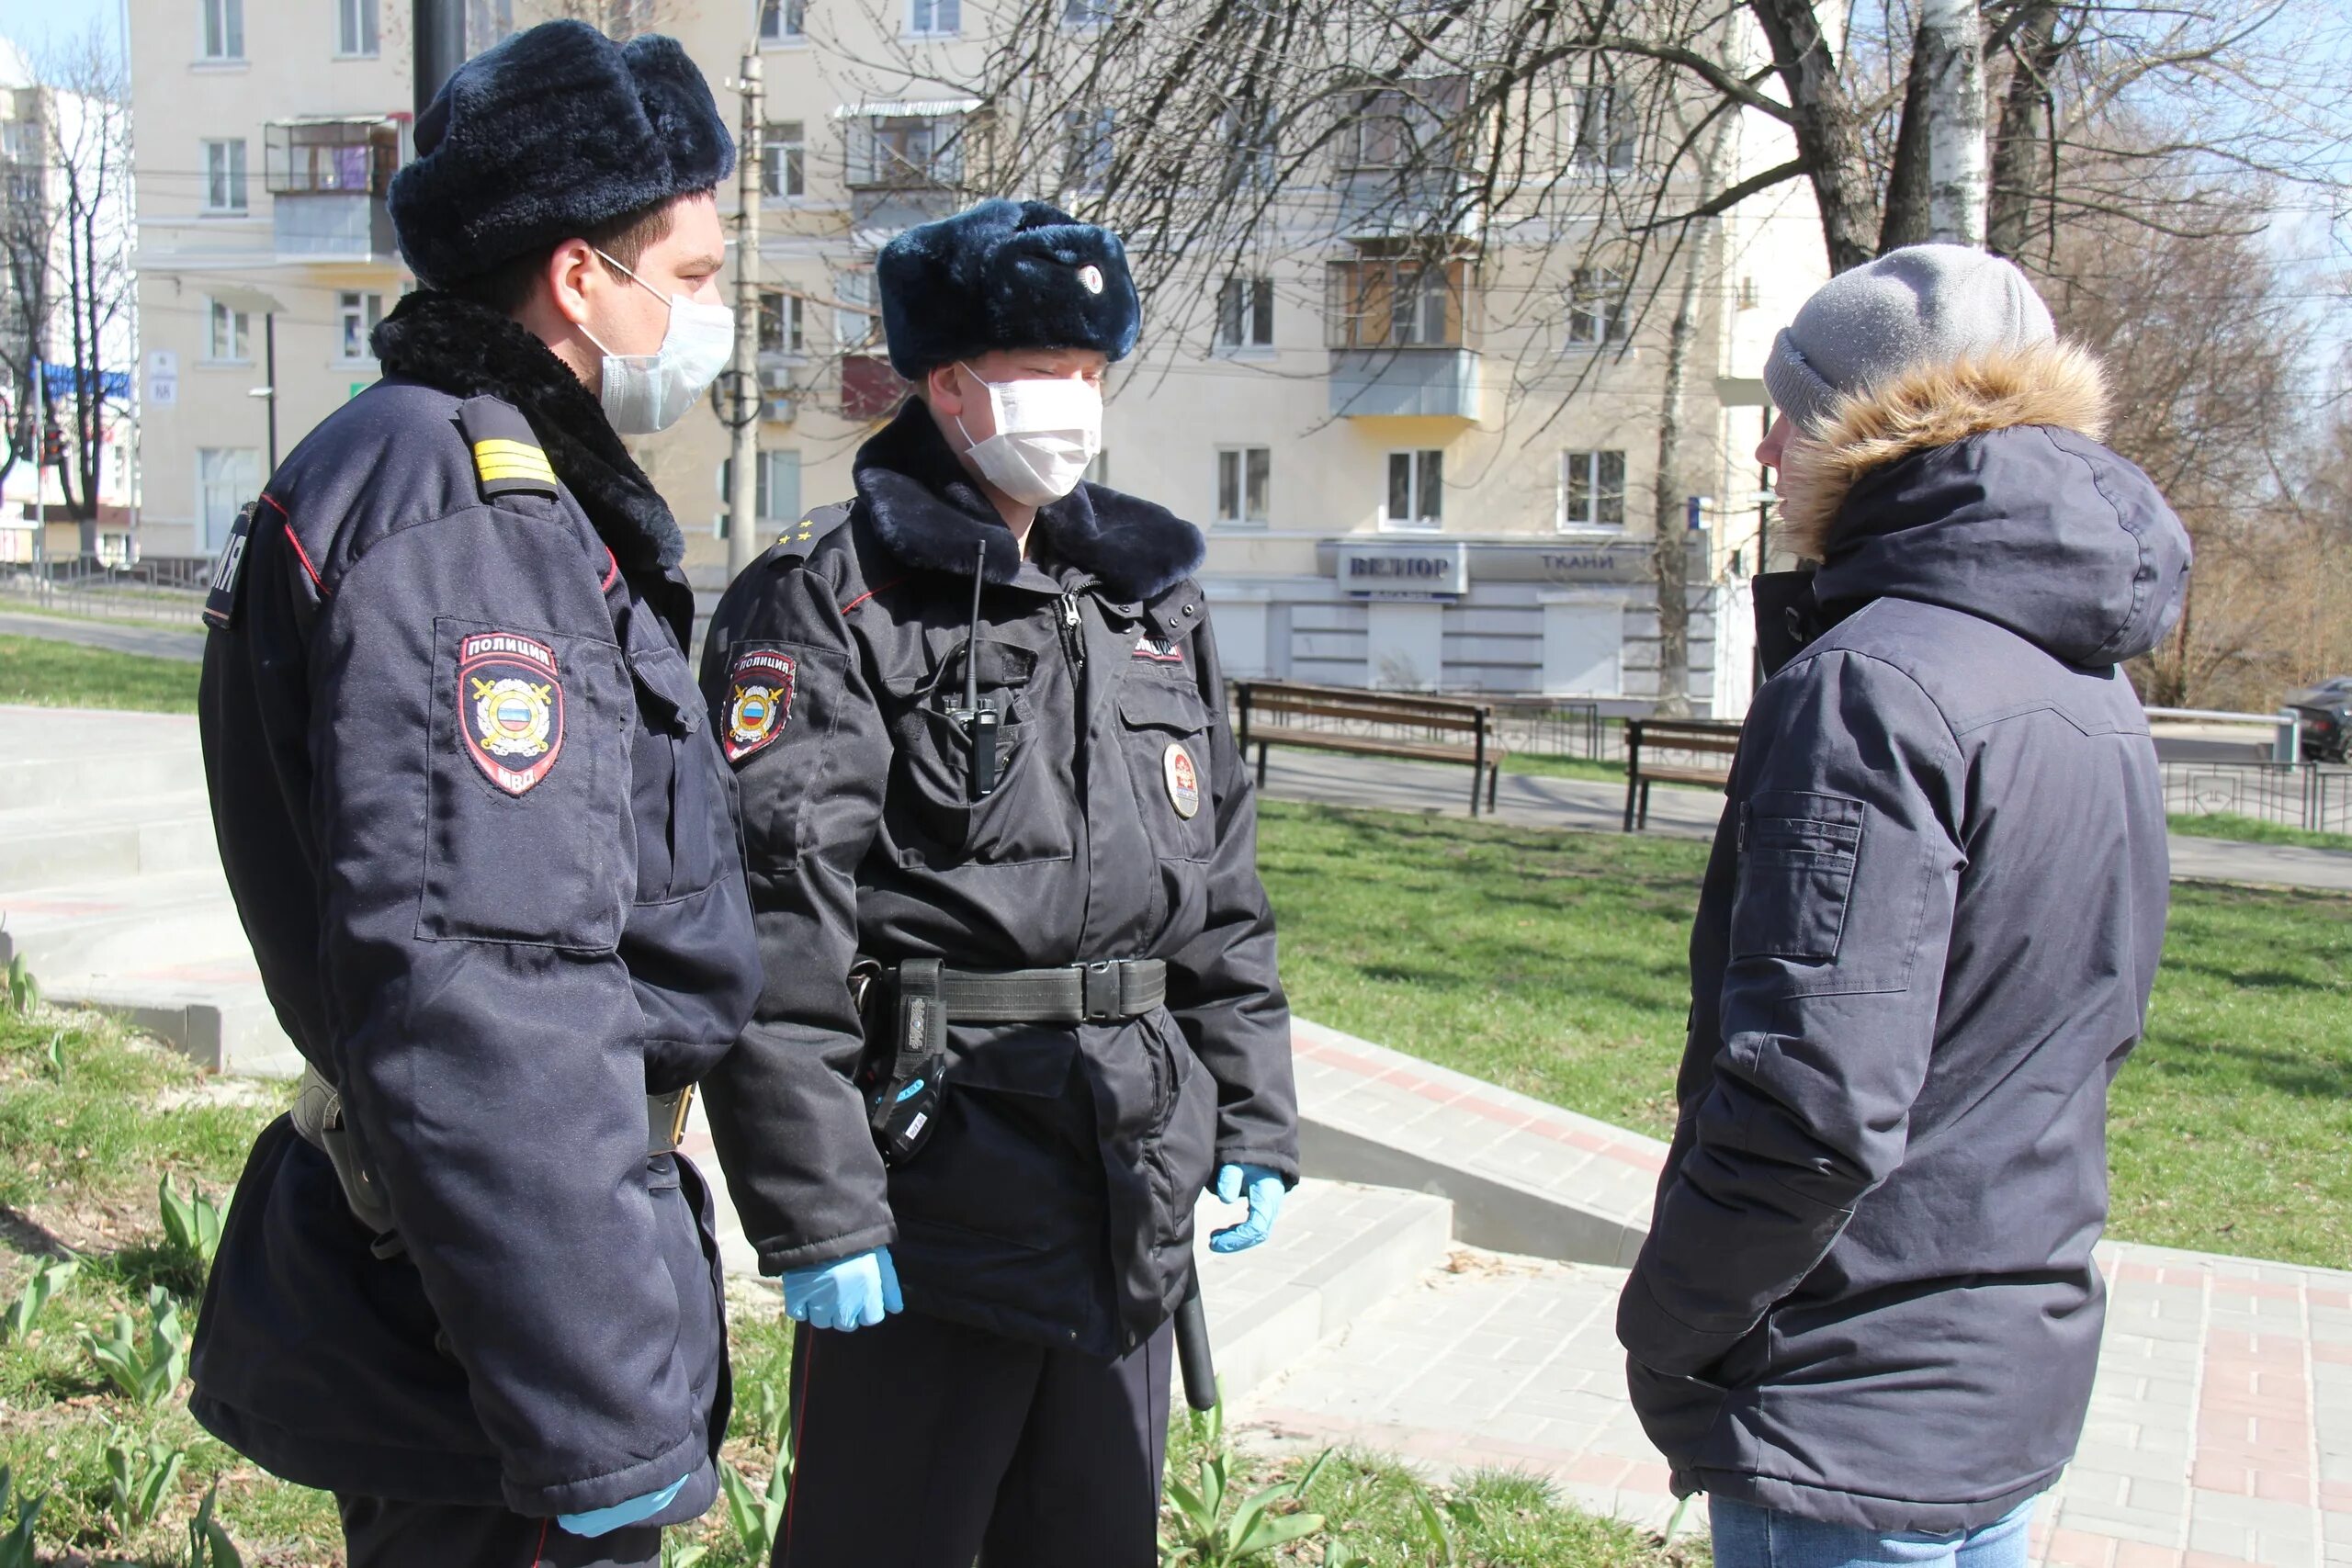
(170, 591)
(2312, 796)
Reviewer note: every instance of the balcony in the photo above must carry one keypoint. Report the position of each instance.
(1406, 383)
(331, 226)
(327, 177)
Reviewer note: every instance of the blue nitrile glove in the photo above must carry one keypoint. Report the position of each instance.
(1266, 1189)
(855, 1293)
(603, 1521)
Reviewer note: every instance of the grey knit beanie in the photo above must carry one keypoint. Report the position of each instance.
(1919, 305)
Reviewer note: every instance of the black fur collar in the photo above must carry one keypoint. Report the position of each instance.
(468, 350)
(930, 514)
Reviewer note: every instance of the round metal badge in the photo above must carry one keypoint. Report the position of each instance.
(1089, 277)
(1183, 780)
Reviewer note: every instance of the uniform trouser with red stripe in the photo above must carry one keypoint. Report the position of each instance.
(921, 1443)
(380, 1533)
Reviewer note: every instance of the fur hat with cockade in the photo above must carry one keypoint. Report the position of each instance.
(1004, 275)
(553, 132)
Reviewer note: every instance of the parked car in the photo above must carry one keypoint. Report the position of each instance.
(2326, 714)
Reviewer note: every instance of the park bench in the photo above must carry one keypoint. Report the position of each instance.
(1693, 737)
(1405, 725)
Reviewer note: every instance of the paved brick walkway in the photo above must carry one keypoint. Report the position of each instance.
(2220, 1429)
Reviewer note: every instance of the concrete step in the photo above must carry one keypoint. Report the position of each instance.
(1524, 1177)
(1338, 1250)
(50, 846)
(217, 1014)
(132, 925)
(81, 757)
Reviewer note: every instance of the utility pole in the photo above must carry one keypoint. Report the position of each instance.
(742, 493)
(438, 27)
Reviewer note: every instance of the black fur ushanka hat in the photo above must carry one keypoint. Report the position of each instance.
(1004, 275)
(547, 134)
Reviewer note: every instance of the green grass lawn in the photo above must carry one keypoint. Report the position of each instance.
(2254, 830)
(92, 1118)
(1565, 767)
(1553, 962)
(66, 674)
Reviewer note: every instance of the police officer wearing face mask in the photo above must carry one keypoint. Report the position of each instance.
(485, 849)
(1020, 1003)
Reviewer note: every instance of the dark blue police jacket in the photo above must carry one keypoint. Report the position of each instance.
(486, 853)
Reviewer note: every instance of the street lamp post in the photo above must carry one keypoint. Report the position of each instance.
(743, 520)
(439, 29)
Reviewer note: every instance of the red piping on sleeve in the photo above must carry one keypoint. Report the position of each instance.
(300, 553)
(870, 593)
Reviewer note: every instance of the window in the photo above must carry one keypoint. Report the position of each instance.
(488, 22)
(902, 152)
(1604, 127)
(1416, 486)
(1397, 304)
(1405, 127)
(1085, 13)
(224, 28)
(1087, 149)
(226, 478)
(227, 334)
(1251, 146)
(783, 159)
(354, 31)
(782, 329)
(1592, 489)
(357, 314)
(1596, 308)
(784, 21)
(934, 18)
(775, 485)
(1245, 314)
(855, 323)
(1242, 476)
(224, 176)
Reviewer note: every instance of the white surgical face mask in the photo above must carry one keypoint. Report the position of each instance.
(1046, 432)
(648, 393)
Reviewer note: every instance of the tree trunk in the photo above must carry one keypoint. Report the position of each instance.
(2018, 177)
(1829, 129)
(1670, 548)
(1906, 219)
(1951, 46)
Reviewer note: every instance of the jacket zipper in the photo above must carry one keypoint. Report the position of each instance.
(1073, 631)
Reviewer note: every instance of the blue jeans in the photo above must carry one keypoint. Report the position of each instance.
(1750, 1537)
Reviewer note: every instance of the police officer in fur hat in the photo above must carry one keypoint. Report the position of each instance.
(1020, 1003)
(485, 847)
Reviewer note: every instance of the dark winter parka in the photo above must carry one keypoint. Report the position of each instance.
(1924, 946)
(1053, 1203)
(485, 851)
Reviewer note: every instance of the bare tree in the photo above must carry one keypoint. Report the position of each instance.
(64, 242)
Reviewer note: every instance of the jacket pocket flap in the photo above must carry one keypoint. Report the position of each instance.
(1150, 704)
(670, 696)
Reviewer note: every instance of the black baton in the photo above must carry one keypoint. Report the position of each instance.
(1192, 1348)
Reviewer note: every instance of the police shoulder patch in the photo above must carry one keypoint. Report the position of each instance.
(760, 686)
(509, 706)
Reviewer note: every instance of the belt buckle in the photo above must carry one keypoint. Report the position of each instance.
(685, 1107)
(1101, 1000)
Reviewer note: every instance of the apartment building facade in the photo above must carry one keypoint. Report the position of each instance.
(1403, 481)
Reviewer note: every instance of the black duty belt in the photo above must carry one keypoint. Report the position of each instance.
(1073, 993)
(905, 1069)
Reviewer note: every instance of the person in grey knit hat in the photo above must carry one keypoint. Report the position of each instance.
(1866, 1316)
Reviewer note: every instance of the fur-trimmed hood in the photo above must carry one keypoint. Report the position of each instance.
(468, 350)
(930, 514)
(1981, 486)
